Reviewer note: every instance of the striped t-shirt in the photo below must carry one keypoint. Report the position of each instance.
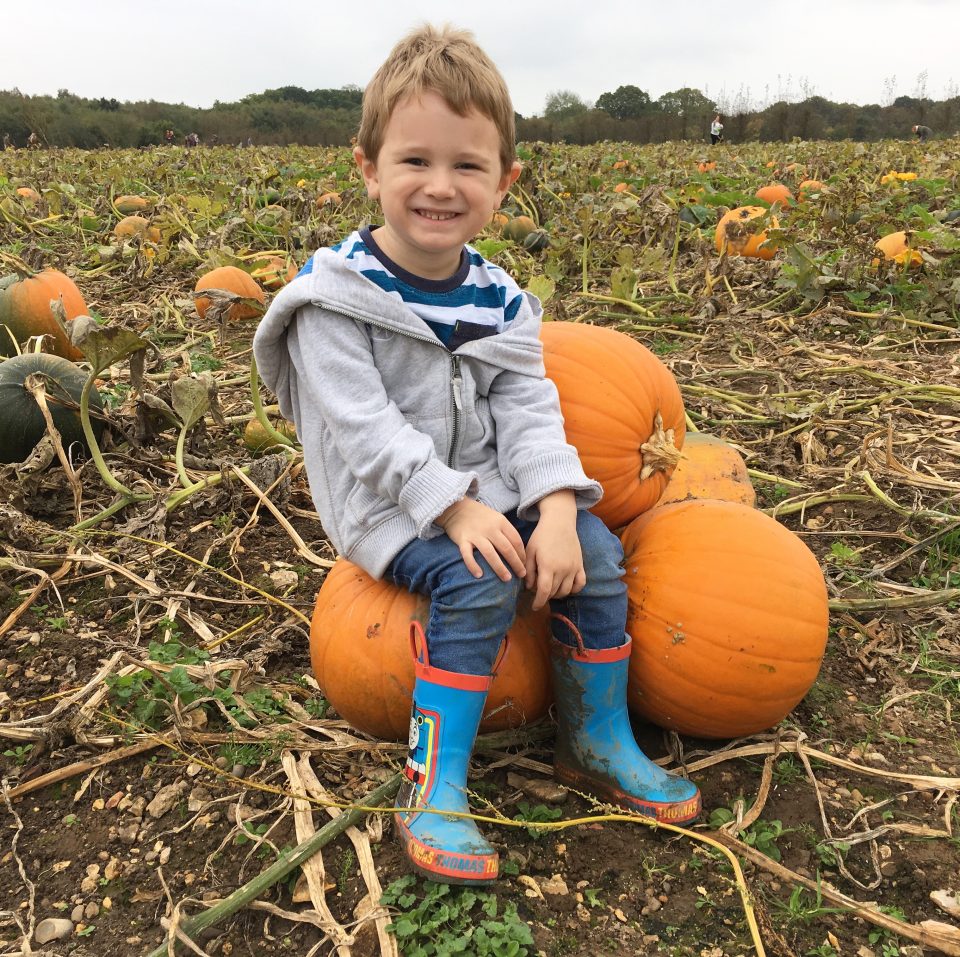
(478, 300)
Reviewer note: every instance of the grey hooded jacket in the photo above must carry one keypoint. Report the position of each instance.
(394, 427)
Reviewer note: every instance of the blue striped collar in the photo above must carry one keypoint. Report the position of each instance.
(418, 282)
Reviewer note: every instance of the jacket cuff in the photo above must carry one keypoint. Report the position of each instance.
(432, 490)
(550, 473)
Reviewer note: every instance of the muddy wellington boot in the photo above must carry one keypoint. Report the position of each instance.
(596, 751)
(447, 707)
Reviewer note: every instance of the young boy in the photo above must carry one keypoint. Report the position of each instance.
(435, 449)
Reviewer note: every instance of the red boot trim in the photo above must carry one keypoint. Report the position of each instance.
(452, 679)
(449, 867)
(590, 655)
(663, 812)
(447, 679)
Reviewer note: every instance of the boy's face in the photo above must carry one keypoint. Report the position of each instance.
(438, 179)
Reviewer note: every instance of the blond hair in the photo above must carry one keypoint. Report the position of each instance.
(445, 61)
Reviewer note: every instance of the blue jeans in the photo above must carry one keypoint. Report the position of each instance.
(469, 616)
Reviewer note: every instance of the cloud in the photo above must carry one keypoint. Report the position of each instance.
(199, 52)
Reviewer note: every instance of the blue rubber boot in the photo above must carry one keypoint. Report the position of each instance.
(596, 751)
(447, 707)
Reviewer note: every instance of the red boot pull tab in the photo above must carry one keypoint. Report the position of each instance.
(574, 629)
(417, 636)
(418, 647)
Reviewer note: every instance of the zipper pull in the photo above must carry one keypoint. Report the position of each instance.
(457, 383)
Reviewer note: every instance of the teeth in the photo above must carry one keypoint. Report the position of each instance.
(437, 216)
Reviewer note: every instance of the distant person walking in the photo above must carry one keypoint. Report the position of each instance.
(7, 144)
(922, 133)
(168, 137)
(716, 131)
(191, 139)
(33, 141)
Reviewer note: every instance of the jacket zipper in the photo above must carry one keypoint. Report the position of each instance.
(456, 380)
(456, 384)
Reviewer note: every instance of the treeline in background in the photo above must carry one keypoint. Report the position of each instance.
(330, 118)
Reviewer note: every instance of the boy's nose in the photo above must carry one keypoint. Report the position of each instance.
(440, 183)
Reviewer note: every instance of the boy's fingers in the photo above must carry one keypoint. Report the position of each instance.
(515, 561)
(490, 553)
(513, 537)
(466, 553)
(544, 592)
(512, 552)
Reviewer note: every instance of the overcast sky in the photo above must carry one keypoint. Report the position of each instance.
(199, 51)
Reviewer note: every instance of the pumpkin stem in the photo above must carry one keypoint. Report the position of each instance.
(658, 453)
(278, 438)
(108, 478)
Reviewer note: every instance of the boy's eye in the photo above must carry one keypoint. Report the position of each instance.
(414, 161)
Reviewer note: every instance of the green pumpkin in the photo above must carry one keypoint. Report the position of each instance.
(21, 421)
(536, 241)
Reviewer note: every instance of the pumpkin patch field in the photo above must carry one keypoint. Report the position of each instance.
(757, 353)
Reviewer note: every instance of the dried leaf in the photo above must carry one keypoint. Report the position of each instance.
(191, 397)
(102, 346)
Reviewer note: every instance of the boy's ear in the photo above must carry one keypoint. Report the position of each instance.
(508, 179)
(368, 169)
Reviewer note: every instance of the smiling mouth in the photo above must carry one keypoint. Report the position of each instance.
(436, 217)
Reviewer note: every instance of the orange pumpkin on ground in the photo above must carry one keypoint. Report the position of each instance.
(737, 237)
(519, 228)
(128, 205)
(29, 194)
(809, 186)
(709, 468)
(131, 226)
(728, 613)
(706, 167)
(234, 280)
(775, 193)
(622, 410)
(361, 658)
(328, 199)
(256, 439)
(273, 272)
(895, 247)
(498, 220)
(25, 311)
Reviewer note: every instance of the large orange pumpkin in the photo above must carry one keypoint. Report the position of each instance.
(235, 280)
(361, 658)
(709, 468)
(728, 614)
(623, 411)
(25, 311)
(739, 235)
(775, 193)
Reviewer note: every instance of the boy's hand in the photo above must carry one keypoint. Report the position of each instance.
(554, 558)
(472, 525)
